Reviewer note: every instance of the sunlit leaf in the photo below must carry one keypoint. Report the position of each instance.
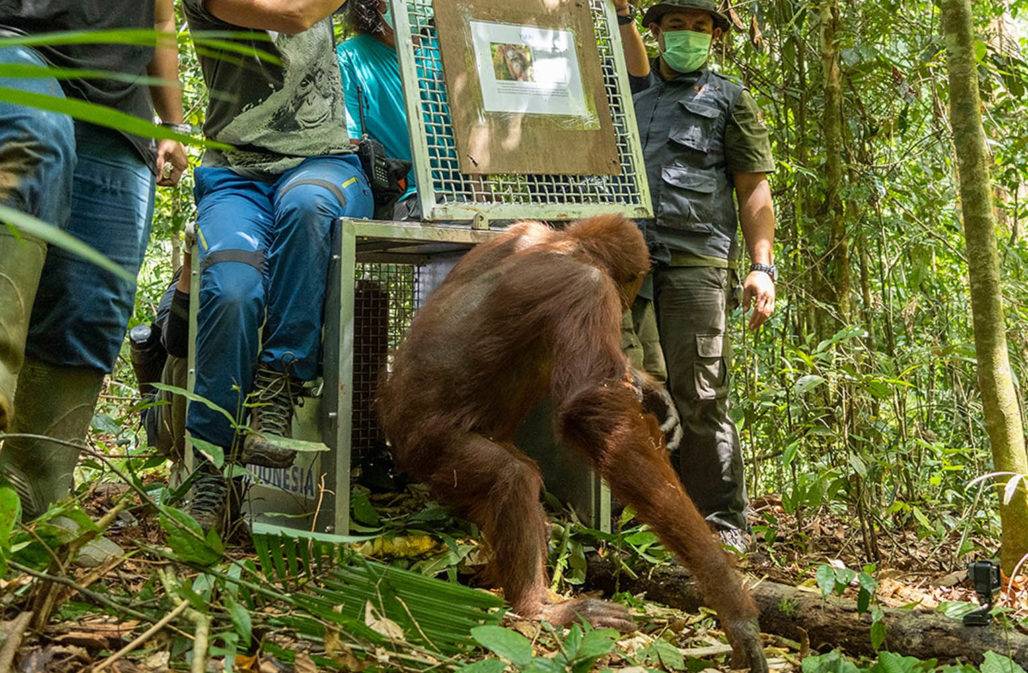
(504, 643)
(101, 115)
(998, 663)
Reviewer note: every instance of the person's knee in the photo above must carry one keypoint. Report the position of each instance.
(233, 288)
(314, 203)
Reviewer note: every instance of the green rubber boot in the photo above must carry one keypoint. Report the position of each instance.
(21, 262)
(57, 402)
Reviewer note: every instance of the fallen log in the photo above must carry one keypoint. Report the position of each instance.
(829, 623)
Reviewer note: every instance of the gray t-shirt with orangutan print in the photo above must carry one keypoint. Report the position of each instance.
(274, 112)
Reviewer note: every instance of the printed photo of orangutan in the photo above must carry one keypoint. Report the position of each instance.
(512, 62)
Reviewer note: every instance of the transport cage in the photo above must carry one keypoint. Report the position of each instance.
(447, 193)
(367, 314)
(380, 270)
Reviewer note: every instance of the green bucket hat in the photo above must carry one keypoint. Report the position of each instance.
(654, 13)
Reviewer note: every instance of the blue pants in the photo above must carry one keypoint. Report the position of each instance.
(264, 258)
(93, 184)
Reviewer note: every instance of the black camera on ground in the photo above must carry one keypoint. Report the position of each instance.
(984, 576)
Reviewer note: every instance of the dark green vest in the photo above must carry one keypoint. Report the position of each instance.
(682, 127)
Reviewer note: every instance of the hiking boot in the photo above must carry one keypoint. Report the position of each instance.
(271, 418)
(21, 263)
(209, 497)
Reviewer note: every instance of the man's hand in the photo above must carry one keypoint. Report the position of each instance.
(621, 7)
(758, 291)
(171, 162)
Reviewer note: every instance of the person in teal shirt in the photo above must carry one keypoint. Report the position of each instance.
(370, 74)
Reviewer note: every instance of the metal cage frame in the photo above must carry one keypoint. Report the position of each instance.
(329, 419)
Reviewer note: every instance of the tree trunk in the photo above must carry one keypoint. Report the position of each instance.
(999, 400)
(828, 623)
(837, 255)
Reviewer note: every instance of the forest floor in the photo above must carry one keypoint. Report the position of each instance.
(82, 633)
(167, 590)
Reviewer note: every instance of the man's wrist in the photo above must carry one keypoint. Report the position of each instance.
(770, 269)
(626, 16)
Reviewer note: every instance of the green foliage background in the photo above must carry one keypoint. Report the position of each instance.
(878, 418)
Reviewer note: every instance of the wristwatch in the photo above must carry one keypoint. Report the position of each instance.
(769, 269)
(633, 12)
(184, 129)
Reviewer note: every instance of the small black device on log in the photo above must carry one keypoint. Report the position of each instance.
(984, 575)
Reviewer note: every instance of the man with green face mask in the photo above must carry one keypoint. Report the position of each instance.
(707, 156)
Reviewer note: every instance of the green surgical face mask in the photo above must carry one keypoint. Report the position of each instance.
(686, 50)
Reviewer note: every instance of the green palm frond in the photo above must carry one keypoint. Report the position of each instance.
(341, 587)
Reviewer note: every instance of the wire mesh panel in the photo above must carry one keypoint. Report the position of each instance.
(385, 296)
(446, 193)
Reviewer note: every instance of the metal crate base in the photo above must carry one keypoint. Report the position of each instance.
(313, 496)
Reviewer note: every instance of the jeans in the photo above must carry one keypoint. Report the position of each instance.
(37, 148)
(692, 306)
(93, 184)
(81, 312)
(264, 255)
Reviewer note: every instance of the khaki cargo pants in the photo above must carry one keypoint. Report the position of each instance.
(690, 311)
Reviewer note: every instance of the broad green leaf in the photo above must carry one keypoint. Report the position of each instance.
(298, 445)
(544, 665)
(484, 666)
(669, 655)
(867, 582)
(843, 578)
(826, 579)
(833, 662)
(956, 609)
(890, 662)
(504, 643)
(789, 454)
(10, 511)
(806, 383)
(187, 540)
(32, 226)
(193, 397)
(868, 586)
(240, 620)
(997, 663)
(922, 519)
(578, 563)
(214, 453)
(858, 465)
(863, 600)
(362, 510)
(597, 643)
(877, 635)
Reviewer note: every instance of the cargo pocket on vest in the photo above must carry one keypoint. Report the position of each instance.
(685, 199)
(710, 370)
